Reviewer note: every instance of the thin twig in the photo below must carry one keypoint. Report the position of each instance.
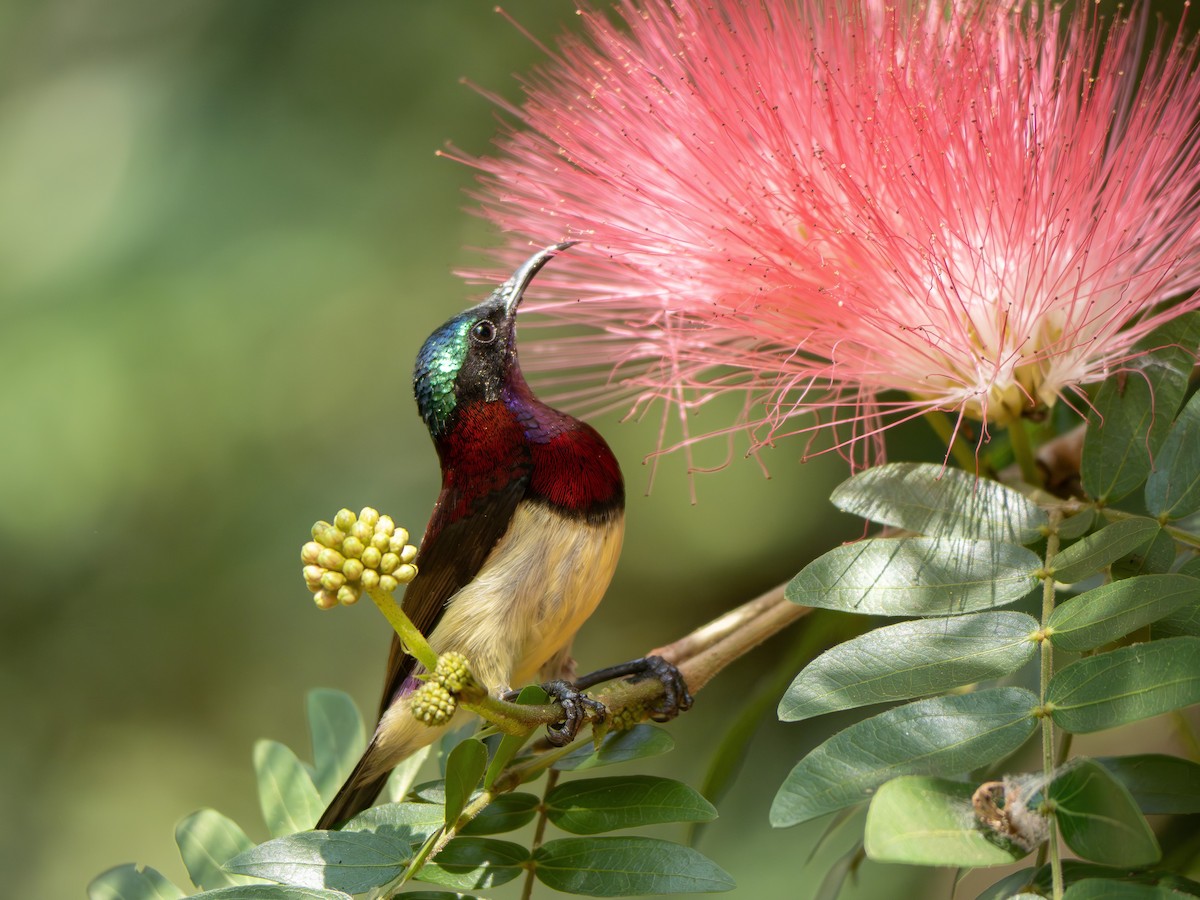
(539, 833)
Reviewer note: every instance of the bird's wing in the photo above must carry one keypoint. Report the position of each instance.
(454, 548)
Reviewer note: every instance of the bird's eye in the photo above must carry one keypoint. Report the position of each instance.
(484, 332)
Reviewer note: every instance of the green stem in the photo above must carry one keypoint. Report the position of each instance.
(1018, 438)
(437, 841)
(940, 423)
(511, 718)
(1049, 760)
(410, 636)
(539, 833)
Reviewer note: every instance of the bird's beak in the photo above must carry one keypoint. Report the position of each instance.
(514, 289)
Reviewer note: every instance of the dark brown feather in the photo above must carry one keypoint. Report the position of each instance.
(450, 556)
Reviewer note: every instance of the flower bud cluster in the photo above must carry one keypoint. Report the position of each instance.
(435, 701)
(356, 553)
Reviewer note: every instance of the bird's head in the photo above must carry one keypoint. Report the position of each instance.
(474, 355)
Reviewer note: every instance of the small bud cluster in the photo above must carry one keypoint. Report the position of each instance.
(434, 702)
(627, 717)
(356, 553)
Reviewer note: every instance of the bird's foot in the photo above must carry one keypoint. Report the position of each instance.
(675, 699)
(577, 707)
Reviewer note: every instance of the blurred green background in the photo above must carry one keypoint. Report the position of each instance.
(223, 236)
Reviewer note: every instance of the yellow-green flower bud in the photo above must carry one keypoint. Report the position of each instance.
(388, 563)
(627, 717)
(352, 546)
(453, 671)
(325, 600)
(310, 552)
(331, 559)
(348, 594)
(352, 569)
(370, 579)
(344, 519)
(380, 541)
(320, 528)
(388, 583)
(405, 573)
(332, 537)
(362, 531)
(433, 704)
(312, 576)
(369, 516)
(385, 525)
(397, 541)
(371, 557)
(408, 553)
(332, 581)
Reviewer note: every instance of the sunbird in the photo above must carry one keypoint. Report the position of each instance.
(522, 543)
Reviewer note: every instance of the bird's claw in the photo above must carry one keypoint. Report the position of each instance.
(577, 707)
(676, 698)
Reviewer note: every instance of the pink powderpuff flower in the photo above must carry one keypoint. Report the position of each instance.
(858, 210)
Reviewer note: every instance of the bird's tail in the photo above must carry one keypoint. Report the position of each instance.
(358, 793)
(397, 737)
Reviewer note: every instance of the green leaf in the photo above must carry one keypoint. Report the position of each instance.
(1097, 816)
(595, 805)
(338, 739)
(1076, 526)
(405, 774)
(1160, 784)
(272, 892)
(941, 502)
(1115, 459)
(1010, 887)
(927, 821)
(943, 735)
(1075, 871)
(132, 882)
(1099, 616)
(436, 895)
(916, 577)
(407, 822)
(1132, 412)
(474, 862)
(1097, 550)
(1104, 889)
(1173, 490)
(626, 866)
(911, 659)
(1126, 684)
(464, 767)
(350, 861)
(531, 695)
(1155, 559)
(639, 742)
(821, 629)
(289, 799)
(206, 841)
(835, 877)
(505, 813)
(430, 792)
(1185, 621)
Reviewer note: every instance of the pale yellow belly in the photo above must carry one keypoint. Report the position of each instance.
(545, 577)
(536, 588)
